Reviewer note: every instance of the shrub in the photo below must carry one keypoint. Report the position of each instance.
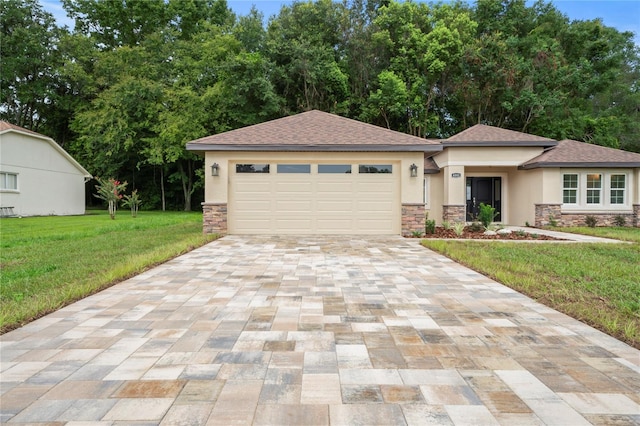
(133, 201)
(619, 220)
(458, 228)
(476, 227)
(590, 221)
(446, 225)
(487, 214)
(552, 221)
(416, 234)
(110, 190)
(430, 226)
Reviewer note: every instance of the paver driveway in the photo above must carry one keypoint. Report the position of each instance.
(315, 330)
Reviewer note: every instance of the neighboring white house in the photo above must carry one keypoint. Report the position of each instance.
(37, 176)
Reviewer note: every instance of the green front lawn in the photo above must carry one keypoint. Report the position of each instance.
(596, 283)
(49, 262)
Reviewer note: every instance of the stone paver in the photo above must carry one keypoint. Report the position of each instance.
(314, 330)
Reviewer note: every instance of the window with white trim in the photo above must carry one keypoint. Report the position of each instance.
(425, 191)
(570, 189)
(595, 190)
(618, 187)
(8, 181)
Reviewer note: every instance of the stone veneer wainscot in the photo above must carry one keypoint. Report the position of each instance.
(214, 218)
(413, 216)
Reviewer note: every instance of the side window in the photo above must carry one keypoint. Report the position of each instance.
(8, 181)
(375, 168)
(252, 168)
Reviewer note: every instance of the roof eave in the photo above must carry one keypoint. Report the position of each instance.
(578, 164)
(315, 148)
(501, 144)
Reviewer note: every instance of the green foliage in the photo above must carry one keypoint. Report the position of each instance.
(567, 277)
(476, 226)
(619, 220)
(45, 259)
(430, 226)
(590, 221)
(458, 228)
(133, 202)
(486, 215)
(416, 234)
(553, 222)
(136, 80)
(110, 191)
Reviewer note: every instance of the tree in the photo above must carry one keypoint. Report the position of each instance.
(30, 60)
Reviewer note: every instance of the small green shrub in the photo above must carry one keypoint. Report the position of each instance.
(476, 227)
(416, 234)
(619, 221)
(458, 228)
(590, 221)
(527, 224)
(446, 225)
(487, 214)
(552, 221)
(520, 233)
(430, 226)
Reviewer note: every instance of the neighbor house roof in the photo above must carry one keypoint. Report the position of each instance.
(6, 127)
(313, 131)
(483, 135)
(569, 153)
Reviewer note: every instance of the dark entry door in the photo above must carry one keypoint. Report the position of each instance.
(484, 190)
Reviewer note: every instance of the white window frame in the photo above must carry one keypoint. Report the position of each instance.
(425, 191)
(604, 191)
(575, 189)
(4, 181)
(622, 189)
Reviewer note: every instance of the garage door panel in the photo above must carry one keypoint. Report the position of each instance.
(283, 206)
(334, 206)
(325, 203)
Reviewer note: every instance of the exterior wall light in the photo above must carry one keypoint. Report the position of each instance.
(414, 170)
(215, 169)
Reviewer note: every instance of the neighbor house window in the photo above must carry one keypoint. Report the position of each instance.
(594, 187)
(9, 181)
(294, 168)
(375, 168)
(618, 186)
(570, 189)
(334, 168)
(252, 168)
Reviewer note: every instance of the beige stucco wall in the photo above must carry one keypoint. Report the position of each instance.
(48, 183)
(436, 195)
(216, 188)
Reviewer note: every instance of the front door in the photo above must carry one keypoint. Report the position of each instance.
(484, 190)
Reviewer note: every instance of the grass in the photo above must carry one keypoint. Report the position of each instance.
(598, 284)
(618, 233)
(49, 262)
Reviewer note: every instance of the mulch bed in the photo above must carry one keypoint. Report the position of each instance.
(468, 234)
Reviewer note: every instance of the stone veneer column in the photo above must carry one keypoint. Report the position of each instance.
(454, 213)
(636, 215)
(214, 218)
(544, 212)
(412, 219)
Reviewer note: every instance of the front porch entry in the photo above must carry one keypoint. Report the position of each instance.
(484, 190)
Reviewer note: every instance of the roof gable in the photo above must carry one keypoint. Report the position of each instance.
(570, 153)
(483, 135)
(6, 127)
(313, 131)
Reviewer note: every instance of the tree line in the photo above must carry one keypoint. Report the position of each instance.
(135, 80)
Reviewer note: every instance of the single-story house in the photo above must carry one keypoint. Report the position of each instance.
(37, 176)
(319, 173)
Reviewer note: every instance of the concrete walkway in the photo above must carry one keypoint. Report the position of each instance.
(314, 330)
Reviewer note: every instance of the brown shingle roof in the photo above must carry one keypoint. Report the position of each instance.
(4, 125)
(430, 166)
(569, 153)
(483, 135)
(313, 131)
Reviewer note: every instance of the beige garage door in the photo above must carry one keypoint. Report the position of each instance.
(284, 198)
